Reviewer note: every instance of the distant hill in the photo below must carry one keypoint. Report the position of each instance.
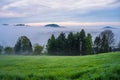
(52, 25)
(20, 25)
(108, 27)
(5, 24)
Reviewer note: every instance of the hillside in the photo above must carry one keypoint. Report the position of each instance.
(92, 67)
(52, 25)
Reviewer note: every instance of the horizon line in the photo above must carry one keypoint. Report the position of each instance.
(72, 23)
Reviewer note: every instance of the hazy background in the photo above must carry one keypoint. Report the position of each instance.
(40, 34)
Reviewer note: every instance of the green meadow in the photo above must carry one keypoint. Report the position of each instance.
(104, 66)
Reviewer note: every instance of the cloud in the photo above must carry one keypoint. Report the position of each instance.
(10, 15)
(71, 23)
(51, 9)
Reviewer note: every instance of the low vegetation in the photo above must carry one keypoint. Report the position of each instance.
(92, 67)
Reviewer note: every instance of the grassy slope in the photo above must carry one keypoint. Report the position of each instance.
(98, 67)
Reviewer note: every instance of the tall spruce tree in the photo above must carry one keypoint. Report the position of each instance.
(97, 45)
(61, 44)
(104, 44)
(51, 46)
(89, 48)
(77, 43)
(82, 42)
(70, 43)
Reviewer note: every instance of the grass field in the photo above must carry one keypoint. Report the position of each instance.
(92, 67)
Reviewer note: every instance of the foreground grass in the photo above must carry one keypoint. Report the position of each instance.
(93, 67)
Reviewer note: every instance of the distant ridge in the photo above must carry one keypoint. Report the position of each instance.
(5, 24)
(14, 24)
(20, 25)
(108, 27)
(52, 25)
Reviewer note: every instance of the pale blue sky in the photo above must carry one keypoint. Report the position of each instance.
(30, 11)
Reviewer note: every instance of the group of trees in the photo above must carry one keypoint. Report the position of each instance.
(104, 42)
(23, 46)
(74, 44)
(80, 44)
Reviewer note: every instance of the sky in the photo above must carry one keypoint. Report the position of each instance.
(60, 11)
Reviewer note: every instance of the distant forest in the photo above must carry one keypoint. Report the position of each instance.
(73, 44)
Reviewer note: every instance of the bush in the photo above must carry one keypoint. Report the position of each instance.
(38, 49)
(8, 50)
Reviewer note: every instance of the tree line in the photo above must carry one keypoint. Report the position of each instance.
(79, 43)
(23, 46)
(73, 44)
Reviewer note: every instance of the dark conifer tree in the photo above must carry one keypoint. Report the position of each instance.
(77, 43)
(89, 49)
(104, 44)
(51, 45)
(61, 44)
(82, 42)
(97, 45)
(70, 43)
